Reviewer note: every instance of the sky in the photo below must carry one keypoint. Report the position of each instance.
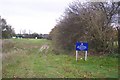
(32, 15)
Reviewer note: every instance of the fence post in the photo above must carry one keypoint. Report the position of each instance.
(85, 55)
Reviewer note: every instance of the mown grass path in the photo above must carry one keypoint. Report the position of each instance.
(25, 60)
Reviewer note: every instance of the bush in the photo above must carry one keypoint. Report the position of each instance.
(84, 23)
(7, 45)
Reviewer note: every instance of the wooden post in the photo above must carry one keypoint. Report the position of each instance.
(85, 55)
(76, 55)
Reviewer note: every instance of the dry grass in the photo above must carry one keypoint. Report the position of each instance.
(7, 45)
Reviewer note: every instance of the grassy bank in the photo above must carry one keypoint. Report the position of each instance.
(25, 60)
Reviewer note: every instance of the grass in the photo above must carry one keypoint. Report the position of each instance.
(26, 61)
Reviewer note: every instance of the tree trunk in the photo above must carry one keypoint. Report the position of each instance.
(118, 28)
(118, 40)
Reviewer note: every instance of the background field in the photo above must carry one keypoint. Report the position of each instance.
(22, 58)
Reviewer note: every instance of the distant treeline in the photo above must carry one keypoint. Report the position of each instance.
(34, 35)
(6, 32)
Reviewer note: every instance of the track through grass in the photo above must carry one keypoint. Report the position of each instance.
(26, 61)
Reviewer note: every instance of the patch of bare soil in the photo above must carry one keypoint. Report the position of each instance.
(44, 47)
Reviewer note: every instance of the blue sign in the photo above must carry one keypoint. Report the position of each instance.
(81, 46)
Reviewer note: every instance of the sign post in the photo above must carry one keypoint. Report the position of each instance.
(81, 46)
(76, 55)
(85, 55)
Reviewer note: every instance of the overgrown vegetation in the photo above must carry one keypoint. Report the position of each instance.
(88, 22)
(26, 60)
(41, 58)
(7, 45)
(6, 31)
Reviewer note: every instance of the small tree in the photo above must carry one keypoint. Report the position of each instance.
(7, 30)
(118, 28)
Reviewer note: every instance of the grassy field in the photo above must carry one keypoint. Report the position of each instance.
(24, 59)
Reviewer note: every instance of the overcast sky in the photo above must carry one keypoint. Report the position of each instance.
(36, 15)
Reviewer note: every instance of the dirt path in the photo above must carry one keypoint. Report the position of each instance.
(44, 47)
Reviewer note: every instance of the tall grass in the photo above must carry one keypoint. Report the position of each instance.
(7, 45)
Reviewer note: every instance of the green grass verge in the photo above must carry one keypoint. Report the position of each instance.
(26, 61)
